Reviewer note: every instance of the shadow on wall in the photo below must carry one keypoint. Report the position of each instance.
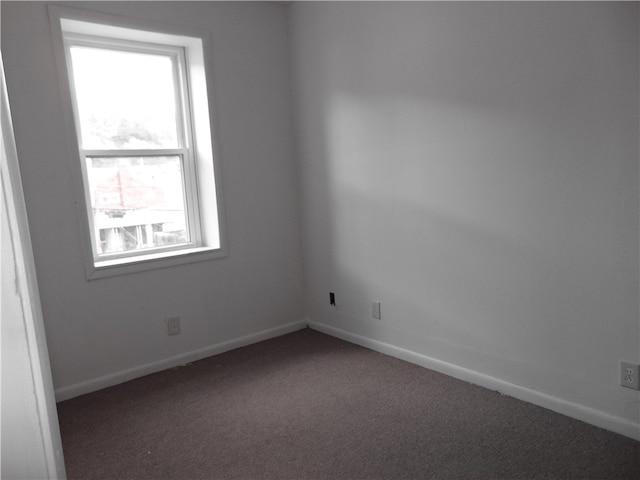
(477, 243)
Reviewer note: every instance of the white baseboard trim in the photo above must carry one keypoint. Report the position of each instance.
(105, 381)
(570, 409)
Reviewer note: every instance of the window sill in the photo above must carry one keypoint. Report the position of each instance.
(141, 263)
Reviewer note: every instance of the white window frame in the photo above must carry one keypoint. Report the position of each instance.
(184, 149)
(201, 170)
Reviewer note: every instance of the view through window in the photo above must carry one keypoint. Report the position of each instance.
(133, 134)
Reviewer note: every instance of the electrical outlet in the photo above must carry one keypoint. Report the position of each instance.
(629, 375)
(173, 326)
(375, 310)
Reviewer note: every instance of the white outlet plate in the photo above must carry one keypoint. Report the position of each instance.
(629, 375)
(173, 326)
(375, 310)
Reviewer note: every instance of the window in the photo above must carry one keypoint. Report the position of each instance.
(140, 114)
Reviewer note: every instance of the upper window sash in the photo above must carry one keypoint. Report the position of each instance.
(181, 94)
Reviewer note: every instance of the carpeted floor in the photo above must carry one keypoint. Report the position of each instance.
(309, 406)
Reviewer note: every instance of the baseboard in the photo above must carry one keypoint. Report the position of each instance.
(558, 405)
(93, 385)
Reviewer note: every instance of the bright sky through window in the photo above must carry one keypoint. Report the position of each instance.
(126, 100)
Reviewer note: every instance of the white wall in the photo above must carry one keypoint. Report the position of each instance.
(474, 167)
(103, 331)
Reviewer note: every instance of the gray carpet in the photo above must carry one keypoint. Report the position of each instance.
(309, 406)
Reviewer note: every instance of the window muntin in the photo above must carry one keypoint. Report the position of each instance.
(131, 106)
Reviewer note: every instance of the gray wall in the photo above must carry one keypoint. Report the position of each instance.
(474, 167)
(103, 327)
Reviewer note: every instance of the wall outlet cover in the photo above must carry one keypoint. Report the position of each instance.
(375, 310)
(173, 326)
(629, 375)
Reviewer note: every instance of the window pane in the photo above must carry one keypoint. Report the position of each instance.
(126, 100)
(137, 202)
